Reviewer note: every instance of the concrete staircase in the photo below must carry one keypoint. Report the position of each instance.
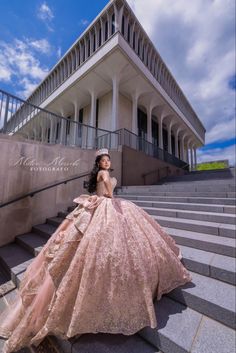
(198, 211)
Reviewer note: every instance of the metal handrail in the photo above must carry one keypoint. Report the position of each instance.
(158, 171)
(155, 171)
(32, 193)
(49, 112)
(149, 148)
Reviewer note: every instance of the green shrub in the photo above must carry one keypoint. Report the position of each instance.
(212, 165)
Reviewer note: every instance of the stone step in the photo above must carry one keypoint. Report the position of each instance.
(202, 200)
(200, 281)
(192, 215)
(221, 181)
(226, 175)
(186, 206)
(173, 317)
(196, 239)
(14, 259)
(183, 330)
(219, 245)
(32, 242)
(6, 284)
(107, 343)
(188, 179)
(167, 334)
(209, 264)
(229, 194)
(213, 228)
(203, 262)
(55, 221)
(208, 296)
(94, 343)
(45, 230)
(185, 187)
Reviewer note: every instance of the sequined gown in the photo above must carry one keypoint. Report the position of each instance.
(100, 274)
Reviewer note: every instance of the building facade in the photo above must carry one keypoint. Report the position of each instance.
(113, 78)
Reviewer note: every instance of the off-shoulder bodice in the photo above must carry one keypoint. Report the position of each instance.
(101, 189)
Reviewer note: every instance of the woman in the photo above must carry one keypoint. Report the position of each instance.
(99, 272)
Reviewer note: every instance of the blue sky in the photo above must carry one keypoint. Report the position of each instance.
(195, 38)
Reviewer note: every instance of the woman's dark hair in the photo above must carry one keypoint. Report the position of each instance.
(92, 183)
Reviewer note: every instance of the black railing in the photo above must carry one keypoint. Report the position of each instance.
(32, 193)
(32, 122)
(19, 117)
(128, 138)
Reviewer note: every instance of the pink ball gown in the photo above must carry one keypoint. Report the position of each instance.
(100, 274)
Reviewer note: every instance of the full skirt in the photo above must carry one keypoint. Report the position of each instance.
(100, 271)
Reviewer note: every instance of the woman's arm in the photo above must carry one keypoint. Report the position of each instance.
(106, 178)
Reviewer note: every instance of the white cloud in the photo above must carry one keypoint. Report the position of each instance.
(217, 154)
(46, 15)
(28, 87)
(84, 22)
(59, 52)
(196, 40)
(5, 70)
(42, 45)
(20, 65)
(222, 131)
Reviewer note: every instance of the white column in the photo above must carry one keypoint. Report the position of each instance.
(118, 17)
(80, 53)
(126, 27)
(181, 150)
(160, 133)
(132, 33)
(63, 130)
(149, 124)
(195, 158)
(75, 125)
(96, 36)
(142, 51)
(137, 39)
(92, 121)
(169, 138)
(85, 48)
(115, 102)
(182, 154)
(91, 42)
(52, 129)
(187, 153)
(135, 114)
(35, 134)
(108, 25)
(102, 31)
(191, 157)
(176, 143)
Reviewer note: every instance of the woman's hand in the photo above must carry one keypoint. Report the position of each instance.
(108, 195)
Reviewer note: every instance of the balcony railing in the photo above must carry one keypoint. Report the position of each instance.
(21, 118)
(18, 117)
(127, 138)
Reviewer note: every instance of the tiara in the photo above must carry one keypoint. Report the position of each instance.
(101, 151)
